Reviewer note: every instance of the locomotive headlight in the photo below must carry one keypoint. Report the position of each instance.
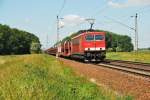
(86, 49)
(98, 55)
(88, 54)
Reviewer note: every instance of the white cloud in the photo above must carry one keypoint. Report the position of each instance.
(129, 3)
(71, 20)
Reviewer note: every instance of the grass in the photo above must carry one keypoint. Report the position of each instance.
(141, 56)
(42, 77)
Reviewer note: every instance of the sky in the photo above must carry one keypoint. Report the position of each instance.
(39, 17)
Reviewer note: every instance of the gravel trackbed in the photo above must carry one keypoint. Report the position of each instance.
(121, 82)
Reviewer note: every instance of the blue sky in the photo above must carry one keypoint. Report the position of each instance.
(39, 17)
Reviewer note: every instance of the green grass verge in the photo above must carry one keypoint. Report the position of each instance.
(130, 56)
(42, 77)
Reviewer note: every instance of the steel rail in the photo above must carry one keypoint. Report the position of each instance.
(130, 69)
(128, 62)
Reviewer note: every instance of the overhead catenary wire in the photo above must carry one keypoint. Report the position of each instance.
(114, 20)
(139, 11)
(62, 7)
(144, 10)
(132, 28)
(104, 8)
(54, 23)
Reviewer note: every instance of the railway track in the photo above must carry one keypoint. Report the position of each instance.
(128, 66)
(138, 68)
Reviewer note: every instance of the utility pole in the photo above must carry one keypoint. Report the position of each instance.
(58, 27)
(57, 35)
(136, 32)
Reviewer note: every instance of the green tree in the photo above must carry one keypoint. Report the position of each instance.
(15, 41)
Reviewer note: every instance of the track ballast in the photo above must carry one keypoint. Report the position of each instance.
(128, 66)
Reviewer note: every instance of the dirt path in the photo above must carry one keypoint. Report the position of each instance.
(121, 82)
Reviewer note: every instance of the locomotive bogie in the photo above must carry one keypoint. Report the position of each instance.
(95, 55)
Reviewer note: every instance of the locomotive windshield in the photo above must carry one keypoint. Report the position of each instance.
(89, 37)
(99, 37)
(92, 37)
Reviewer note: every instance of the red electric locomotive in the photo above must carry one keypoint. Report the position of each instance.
(88, 46)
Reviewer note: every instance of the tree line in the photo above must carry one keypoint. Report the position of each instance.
(120, 43)
(114, 41)
(15, 41)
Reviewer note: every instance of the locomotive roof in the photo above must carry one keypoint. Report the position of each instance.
(68, 38)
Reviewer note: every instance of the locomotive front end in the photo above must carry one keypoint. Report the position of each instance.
(94, 46)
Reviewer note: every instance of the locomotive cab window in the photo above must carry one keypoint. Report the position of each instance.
(89, 37)
(99, 37)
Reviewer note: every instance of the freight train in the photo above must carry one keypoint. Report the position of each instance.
(87, 46)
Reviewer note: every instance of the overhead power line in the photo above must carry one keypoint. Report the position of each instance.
(104, 8)
(114, 20)
(143, 10)
(62, 7)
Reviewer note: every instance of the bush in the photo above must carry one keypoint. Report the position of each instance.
(35, 48)
(118, 49)
(110, 50)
